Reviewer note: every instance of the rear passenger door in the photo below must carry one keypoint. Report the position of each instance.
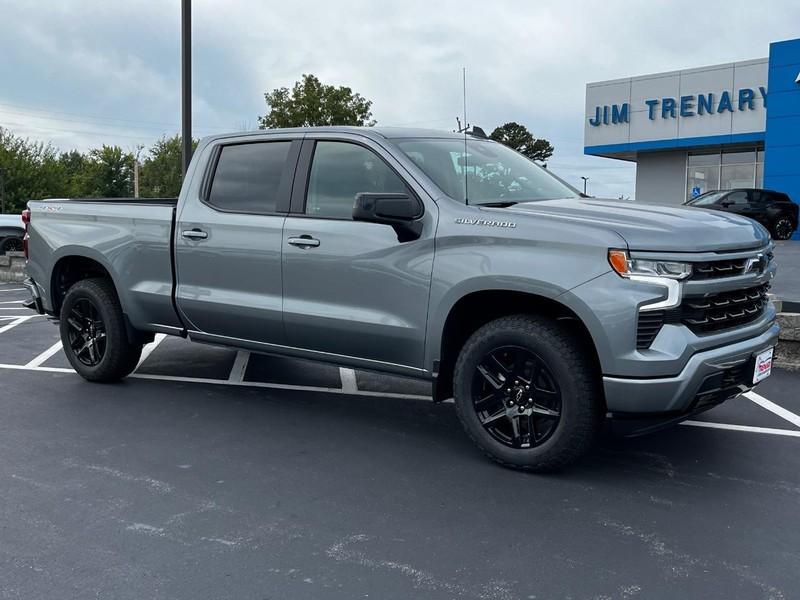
(352, 289)
(229, 238)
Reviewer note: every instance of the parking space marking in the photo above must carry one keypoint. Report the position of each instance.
(276, 386)
(17, 321)
(42, 358)
(350, 385)
(239, 366)
(13, 290)
(348, 377)
(730, 427)
(11, 302)
(148, 348)
(774, 408)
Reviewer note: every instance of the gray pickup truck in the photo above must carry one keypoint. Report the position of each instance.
(441, 256)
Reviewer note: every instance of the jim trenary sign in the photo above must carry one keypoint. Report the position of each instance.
(691, 105)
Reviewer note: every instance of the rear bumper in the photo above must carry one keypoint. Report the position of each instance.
(35, 303)
(709, 377)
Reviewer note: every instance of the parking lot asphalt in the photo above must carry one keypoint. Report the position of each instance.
(787, 281)
(215, 474)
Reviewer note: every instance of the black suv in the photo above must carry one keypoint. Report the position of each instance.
(774, 210)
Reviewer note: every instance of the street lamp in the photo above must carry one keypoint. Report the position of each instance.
(186, 83)
(585, 179)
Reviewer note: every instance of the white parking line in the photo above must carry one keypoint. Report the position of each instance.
(239, 366)
(351, 389)
(730, 427)
(348, 377)
(17, 321)
(11, 302)
(13, 290)
(42, 358)
(148, 349)
(774, 408)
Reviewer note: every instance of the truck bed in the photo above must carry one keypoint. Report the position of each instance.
(146, 201)
(130, 237)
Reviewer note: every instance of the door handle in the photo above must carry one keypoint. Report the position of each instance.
(194, 234)
(304, 241)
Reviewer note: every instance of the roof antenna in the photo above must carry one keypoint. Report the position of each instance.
(466, 127)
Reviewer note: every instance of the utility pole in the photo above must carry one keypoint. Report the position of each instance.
(135, 177)
(585, 179)
(186, 83)
(2, 193)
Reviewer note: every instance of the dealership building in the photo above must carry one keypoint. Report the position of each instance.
(695, 130)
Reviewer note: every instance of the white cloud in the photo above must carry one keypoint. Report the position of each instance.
(526, 61)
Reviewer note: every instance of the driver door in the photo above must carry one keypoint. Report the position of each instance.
(351, 288)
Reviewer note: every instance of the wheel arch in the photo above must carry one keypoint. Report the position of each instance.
(70, 268)
(476, 308)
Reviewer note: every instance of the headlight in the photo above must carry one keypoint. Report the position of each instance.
(625, 266)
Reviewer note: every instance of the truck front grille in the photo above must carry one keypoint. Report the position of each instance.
(731, 267)
(725, 310)
(705, 314)
(718, 268)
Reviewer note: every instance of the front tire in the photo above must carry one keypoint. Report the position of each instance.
(93, 332)
(528, 393)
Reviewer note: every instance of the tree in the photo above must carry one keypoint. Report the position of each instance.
(29, 170)
(312, 103)
(108, 173)
(161, 174)
(518, 137)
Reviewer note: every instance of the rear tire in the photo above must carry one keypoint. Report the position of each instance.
(93, 332)
(534, 371)
(783, 229)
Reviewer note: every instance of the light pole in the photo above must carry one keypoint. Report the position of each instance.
(585, 179)
(186, 83)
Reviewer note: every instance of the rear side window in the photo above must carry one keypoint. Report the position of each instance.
(248, 177)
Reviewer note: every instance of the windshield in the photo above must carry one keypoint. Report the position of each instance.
(483, 172)
(706, 199)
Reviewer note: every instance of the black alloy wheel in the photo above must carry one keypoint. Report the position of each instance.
(12, 244)
(783, 229)
(528, 392)
(516, 398)
(94, 332)
(87, 333)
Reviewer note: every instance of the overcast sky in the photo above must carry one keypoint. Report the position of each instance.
(81, 73)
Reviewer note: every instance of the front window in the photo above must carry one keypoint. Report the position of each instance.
(339, 172)
(483, 172)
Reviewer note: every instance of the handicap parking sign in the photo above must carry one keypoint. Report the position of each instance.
(695, 191)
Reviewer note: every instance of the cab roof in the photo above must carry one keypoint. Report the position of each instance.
(389, 133)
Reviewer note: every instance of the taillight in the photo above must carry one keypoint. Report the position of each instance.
(26, 219)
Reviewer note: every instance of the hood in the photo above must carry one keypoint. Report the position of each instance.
(654, 227)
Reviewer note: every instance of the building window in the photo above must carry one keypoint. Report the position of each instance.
(709, 171)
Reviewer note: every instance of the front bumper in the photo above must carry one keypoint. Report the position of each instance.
(709, 377)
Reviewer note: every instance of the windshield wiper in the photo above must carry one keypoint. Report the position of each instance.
(497, 204)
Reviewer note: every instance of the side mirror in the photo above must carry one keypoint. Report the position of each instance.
(401, 211)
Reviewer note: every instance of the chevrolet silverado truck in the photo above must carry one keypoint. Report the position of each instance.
(428, 254)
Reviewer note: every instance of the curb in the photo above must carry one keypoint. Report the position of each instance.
(787, 352)
(11, 266)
